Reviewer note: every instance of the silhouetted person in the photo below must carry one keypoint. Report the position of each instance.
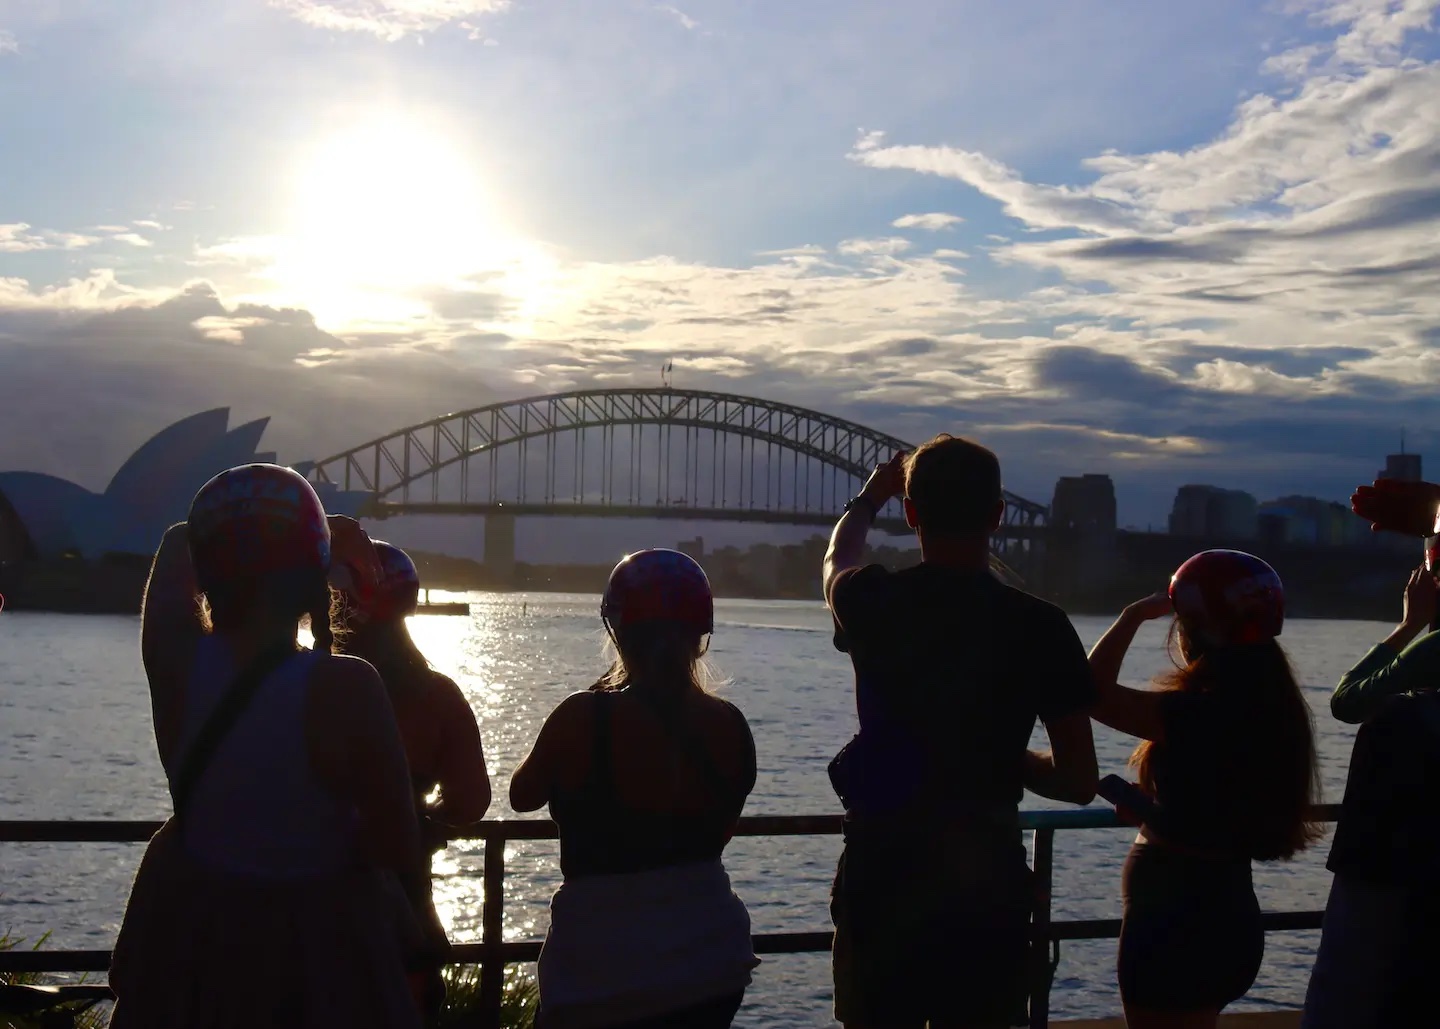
(1228, 767)
(932, 897)
(646, 775)
(274, 895)
(1378, 949)
(437, 725)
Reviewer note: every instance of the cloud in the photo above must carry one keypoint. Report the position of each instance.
(1305, 230)
(1259, 307)
(880, 247)
(133, 363)
(19, 238)
(389, 20)
(1040, 207)
(8, 43)
(686, 22)
(930, 222)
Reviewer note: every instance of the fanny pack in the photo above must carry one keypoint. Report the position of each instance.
(868, 774)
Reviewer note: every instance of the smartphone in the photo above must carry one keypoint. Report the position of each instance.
(1129, 796)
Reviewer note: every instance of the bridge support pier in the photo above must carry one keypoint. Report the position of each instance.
(500, 547)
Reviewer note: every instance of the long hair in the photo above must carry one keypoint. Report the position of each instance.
(291, 597)
(389, 647)
(664, 658)
(1266, 761)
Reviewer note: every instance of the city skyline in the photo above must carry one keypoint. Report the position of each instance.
(1172, 244)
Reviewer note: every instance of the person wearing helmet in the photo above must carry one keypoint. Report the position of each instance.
(646, 774)
(294, 838)
(1378, 951)
(1227, 762)
(437, 725)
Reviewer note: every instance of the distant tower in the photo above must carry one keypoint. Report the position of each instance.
(1402, 465)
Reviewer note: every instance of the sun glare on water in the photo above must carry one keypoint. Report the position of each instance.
(383, 212)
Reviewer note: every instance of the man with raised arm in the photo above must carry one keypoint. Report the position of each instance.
(932, 896)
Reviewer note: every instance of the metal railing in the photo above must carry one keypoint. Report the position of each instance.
(493, 952)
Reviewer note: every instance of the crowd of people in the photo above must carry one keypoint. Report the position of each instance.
(291, 886)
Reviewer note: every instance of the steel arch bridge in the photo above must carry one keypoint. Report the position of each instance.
(633, 453)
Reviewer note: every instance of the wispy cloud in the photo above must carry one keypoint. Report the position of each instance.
(19, 238)
(389, 19)
(687, 22)
(933, 222)
(8, 43)
(888, 245)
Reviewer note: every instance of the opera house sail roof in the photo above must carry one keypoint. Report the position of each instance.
(43, 516)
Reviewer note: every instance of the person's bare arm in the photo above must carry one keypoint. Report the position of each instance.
(463, 777)
(1053, 659)
(1131, 711)
(1068, 771)
(532, 784)
(170, 626)
(847, 541)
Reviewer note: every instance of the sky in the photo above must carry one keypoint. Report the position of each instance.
(1169, 242)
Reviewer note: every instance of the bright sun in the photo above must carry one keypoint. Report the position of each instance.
(381, 210)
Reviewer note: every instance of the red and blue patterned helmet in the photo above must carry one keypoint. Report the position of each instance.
(255, 520)
(658, 586)
(1227, 597)
(394, 596)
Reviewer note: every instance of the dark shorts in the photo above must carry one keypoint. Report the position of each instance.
(933, 927)
(712, 1014)
(1191, 938)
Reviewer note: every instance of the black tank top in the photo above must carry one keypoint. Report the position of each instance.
(600, 835)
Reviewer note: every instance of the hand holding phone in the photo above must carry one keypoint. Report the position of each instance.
(1132, 804)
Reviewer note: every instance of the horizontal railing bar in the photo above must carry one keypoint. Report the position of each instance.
(1109, 928)
(506, 829)
(518, 951)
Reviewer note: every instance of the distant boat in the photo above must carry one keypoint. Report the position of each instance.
(441, 607)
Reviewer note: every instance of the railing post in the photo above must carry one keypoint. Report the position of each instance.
(1040, 929)
(492, 929)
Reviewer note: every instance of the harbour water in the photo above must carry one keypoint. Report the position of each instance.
(75, 742)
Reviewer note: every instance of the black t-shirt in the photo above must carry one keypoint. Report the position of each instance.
(1388, 833)
(951, 671)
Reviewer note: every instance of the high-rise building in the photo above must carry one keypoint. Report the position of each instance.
(1211, 511)
(1402, 466)
(1311, 520)
(1085, 503)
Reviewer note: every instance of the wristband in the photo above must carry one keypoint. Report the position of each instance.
(861, 499)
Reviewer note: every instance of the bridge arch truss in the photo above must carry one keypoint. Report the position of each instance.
(657, 453)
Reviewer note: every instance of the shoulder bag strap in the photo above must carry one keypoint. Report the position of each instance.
(227, 712)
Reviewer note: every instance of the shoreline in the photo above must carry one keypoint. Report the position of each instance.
(108, 605)
(1346, 587)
